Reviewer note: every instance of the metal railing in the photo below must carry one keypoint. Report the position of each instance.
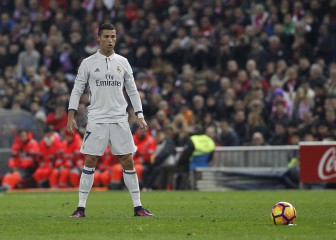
(232, 166)
(252, 156)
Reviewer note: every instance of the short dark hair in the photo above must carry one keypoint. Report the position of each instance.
(105, 26)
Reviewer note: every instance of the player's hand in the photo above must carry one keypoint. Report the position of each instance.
(70, 125)
(142, 125)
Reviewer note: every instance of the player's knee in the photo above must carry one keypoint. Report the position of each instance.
(126, 162)
(91, 161)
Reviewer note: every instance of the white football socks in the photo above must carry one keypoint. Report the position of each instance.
(86, 182)
(132, 184)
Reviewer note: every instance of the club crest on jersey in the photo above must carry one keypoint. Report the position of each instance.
(118, 69)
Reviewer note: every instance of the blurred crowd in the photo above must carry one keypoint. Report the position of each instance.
(254, 72)
(56, 162)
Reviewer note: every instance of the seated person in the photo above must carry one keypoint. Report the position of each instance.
(23, 161)
(67, 170)
(51, 152)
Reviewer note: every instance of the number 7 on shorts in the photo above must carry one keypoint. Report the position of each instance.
(87, 134)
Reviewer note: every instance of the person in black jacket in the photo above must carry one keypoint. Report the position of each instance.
(163, 161)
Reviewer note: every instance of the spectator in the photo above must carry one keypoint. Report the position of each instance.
(27, 58)
(38, 113)
(279, 137)
(162, 163)
(22, 164)
(307, 125)
(240, 127)
(255, 120)
(301, 105)
(258, 54)
(48, 58)
(261, 47)
(316, 76)
(293, 82)
(323, 132)
(58, 119)
(259, 17)
(227, 135)
(76, 10)
(257, 140)
(180, 128)
(6, 24)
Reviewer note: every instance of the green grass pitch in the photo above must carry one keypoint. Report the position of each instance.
(178, 215)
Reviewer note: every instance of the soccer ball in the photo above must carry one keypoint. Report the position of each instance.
(283, 213)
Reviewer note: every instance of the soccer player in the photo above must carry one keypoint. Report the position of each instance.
(106, 74)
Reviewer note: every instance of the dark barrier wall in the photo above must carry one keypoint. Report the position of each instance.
(4, 156)
(12, 121)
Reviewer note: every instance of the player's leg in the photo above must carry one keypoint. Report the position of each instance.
(122, 145)
(130, 178)
(132, 184)
(85, 184)
(94, 144)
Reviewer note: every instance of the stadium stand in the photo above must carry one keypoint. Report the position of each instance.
(236, 67)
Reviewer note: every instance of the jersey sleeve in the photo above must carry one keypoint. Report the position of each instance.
(79, 86)
(131, 89)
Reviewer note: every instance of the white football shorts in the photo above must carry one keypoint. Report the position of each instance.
(98, 135)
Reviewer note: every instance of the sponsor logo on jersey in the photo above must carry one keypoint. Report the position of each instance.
(109, 81)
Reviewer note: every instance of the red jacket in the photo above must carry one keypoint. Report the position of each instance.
(72, 157)
(57, 123)
(146, 147)
(49, 154)
(24, 154)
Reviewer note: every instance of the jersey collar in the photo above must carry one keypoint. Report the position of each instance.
(103, 56)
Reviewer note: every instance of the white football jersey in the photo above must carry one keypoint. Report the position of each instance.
(106, 77)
